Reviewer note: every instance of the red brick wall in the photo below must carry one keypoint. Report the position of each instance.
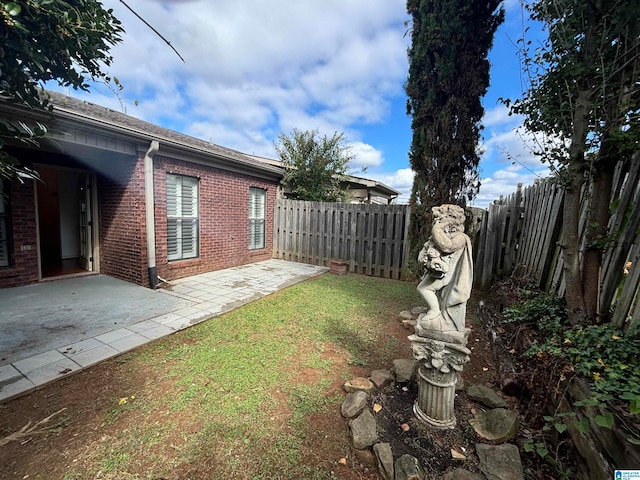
(24, 267)
(224, 219)
(123, 247)
(224, 222)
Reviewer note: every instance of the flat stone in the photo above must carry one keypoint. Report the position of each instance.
(406, 315)
(485, 396)
(13, 385)
(364, 431)
(365, 456)
(90, 357)
(408, 468)
(358, 384)
(384, 457)
(52, 371)
(498, 425)
(461, 474)
(404, 369)
(354, 404)
(500, 462)
(37, 361)
(381, 378)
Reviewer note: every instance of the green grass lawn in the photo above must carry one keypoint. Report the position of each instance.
(250, 394)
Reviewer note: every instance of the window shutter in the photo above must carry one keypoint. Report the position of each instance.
(189, 238)
(257, 204)
(172, 196)
(182, 217)
(189, 197)
(174, 245)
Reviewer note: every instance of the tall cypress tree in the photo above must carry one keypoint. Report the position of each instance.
(448, 75)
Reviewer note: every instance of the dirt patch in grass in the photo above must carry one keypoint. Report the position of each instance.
(77, 444)
(161, 412)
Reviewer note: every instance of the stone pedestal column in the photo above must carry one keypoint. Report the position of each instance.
(439, 363)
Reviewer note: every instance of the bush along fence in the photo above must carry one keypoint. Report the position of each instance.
(520, 234)
(369, 239)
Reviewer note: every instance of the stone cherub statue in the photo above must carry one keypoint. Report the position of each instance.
(446, 285)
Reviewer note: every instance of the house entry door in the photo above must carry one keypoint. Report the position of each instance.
(85, 221)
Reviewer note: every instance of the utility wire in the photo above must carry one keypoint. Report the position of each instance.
(154, 30)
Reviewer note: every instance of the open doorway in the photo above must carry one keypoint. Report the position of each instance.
(64, 221)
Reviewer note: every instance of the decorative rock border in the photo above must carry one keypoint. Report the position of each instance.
(497, 424)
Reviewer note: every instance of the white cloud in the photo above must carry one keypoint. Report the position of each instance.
(508, 156)
(499, 116)
(223, 134)
(401, 180)
(513, 6)
(505, 138)
(255, 69)
(505, 182)
(512, 145)
(513, 162)
(365, 155)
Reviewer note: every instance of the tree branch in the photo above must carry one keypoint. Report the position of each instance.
(28, 429)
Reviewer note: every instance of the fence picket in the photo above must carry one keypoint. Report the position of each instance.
(552, 246)
(625, 192)
(531, 245)
(624, 303)
(372, 239)
(513, 230)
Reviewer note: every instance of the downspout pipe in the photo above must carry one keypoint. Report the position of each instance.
(150, 213)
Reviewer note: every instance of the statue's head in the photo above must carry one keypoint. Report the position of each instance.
(450, 216)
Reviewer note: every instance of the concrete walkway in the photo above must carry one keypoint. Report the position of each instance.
(51, 329)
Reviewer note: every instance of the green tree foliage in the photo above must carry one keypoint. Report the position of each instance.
(584, 101)
(448, 75)
(45, 40)
(314, 165)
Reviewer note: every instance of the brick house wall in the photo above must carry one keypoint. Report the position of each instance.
(224, 222)
(224, 218)
(24, 265)
(121, 206)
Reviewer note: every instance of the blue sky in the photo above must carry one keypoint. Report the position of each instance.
(255, 69)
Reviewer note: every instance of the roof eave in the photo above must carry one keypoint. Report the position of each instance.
(171, 147)
(63, 116)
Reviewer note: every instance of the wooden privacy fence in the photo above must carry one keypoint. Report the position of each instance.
(520, 231)
(520, 235)
(370, 239)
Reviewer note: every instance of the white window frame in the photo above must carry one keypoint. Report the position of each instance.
(257, 218)
(183, 217)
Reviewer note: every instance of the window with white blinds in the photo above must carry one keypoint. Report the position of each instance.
(4, 228)
(257, 207)
(182, 217)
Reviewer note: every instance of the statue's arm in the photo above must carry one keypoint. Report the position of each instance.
(422, 256)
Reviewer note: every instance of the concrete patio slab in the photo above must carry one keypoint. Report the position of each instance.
(49, 315)
(55, 328)
(89, 357)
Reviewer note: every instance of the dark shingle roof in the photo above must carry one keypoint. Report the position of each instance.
(80, 110)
